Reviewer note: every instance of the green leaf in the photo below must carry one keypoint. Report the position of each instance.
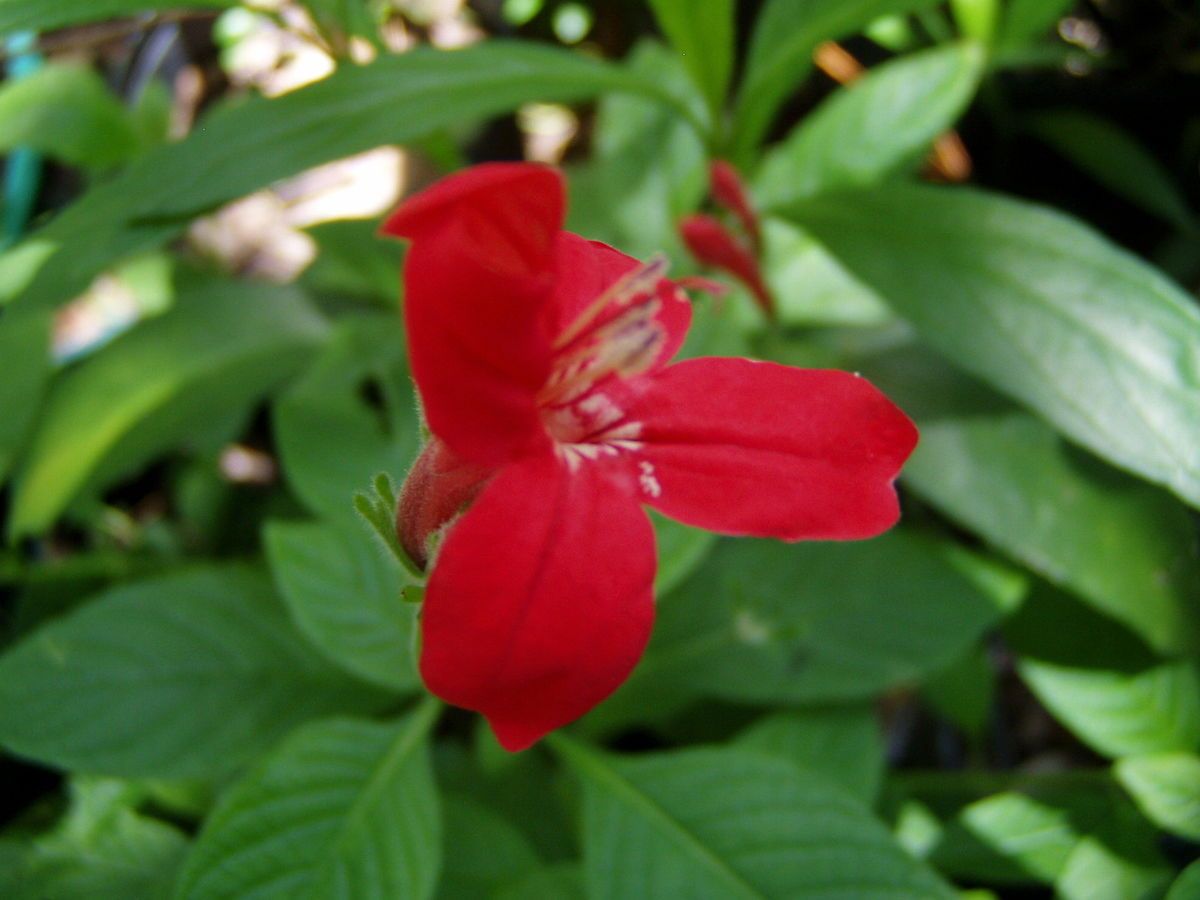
(46, 15)
(781, 48)
(342, 809)
(648, 168)
(1187, 885)
(1028, 20)
(186, 675)
(728, 823)
(563, 881)
(1115, 159)
(767, 622)
(1026, 828)
(680, 550)
(67, 112)
(1100, 344)
(332, 440)
(1166, 786)
(1101, 683)
(965, 693)
(702, 34)
(249, 144)
(841, 744)
(25, 349)
(221, 346)
(483, 852)
(810, 286)
(875, 126)
(976, 18)
(1122, 546)
(344, 594)
(1097, 871)
(102, 848)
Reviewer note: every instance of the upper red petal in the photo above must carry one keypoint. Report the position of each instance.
(755, 448)
(477, 278)
(540, 602)
(586, 269)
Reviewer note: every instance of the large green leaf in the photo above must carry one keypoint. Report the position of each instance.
(842, 744)
(868, 130)
(1103, 346)
(189, 674)
(25, 349)
(331, 439)
(103, 847)
(1123, 546)
(46, 15)
(483, 852)
(781, 47)
(1101, 683)
(1166, 786)
(1115, 159)
(343, 591)
(702, 34)
(342, 810)
(728, 823)
(66, 111)
(247, 145)
(767, 622)
(220, 347)
(1187, 885)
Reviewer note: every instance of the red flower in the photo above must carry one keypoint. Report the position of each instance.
(542, 362)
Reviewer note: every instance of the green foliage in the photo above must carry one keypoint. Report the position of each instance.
(1167, 788)
(245, 146)
(702, 35)
(1040, 307)
(221, 347)
(67, 112)
(781, 46)
(840, 743)
(1116, 161)
(1003, 693)
(44, 15)
(727, 823)
(866, 132)
(343, 592)
(150, 679)
(342, 809)
(25, 347)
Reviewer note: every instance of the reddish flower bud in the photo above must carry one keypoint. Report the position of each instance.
(439, 486)
(710, 242)
(729, 191)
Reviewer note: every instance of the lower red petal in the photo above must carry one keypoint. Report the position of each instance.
(540, 602)
(754, 448)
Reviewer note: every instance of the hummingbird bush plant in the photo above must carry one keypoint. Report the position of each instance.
(655, 591)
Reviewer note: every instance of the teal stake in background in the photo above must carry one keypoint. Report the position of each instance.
(23, 170)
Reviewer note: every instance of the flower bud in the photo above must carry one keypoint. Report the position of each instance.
(710, 242)
(728, 189)
(439, 486)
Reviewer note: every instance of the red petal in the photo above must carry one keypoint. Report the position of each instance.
(514, 212)
(751, 448)
(540, 602)
(587, 268)
(477, 278)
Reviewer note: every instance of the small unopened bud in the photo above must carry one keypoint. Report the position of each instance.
(710, 242)
(438, 488)
(728, 189)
